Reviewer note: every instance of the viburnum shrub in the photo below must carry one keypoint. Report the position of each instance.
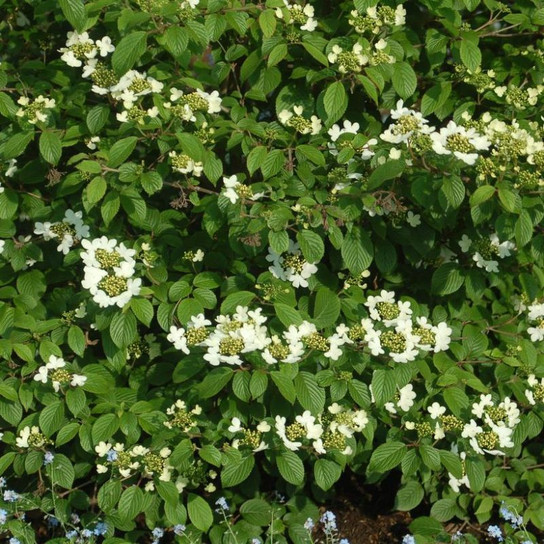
(247, 248)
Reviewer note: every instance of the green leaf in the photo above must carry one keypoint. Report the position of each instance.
(120, 151)
(96, 189)
(199, 511)
(97, 118)
(443, 509)
(128, 52)
(389, 170)
(273, 163)
(267, 22)
(291, 467)
(151, 182)
(326, 308)
(123, 329)
(326, 473)
(50, 147)
(471, 56)
(143, 310)
(277, 54)
(430, 456)
(17, 144)
(237, 471)
(256, 158)
(104, 428)
(61, 471)
(386, 456)
(131, 502)
(76, 340)
(454, 190)
(309, 394)
(51, 418)
(214, 382)
(481, 194)
(256, 512)
(76, 400)
(110, 207)
(475, 469)
(74, 11)
(287, 315)
(404, 79)
(384, 386)
(447, 279)
(285, 386)
(357, 250)
(241, 298)
(168, 491)
(108, 495)
(311, 245)
(278, 241)
(175, 40)
(311, 153)
(335, 102)
(523, 229)
(409, 496)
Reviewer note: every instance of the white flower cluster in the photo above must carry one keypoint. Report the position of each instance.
(392, 330)
(486, 249)
(235, 190)
(536, 393)
(184, 164)
(31, 437)
(295, 120)
(412, 129)
(376, 18)
(251, 438)
(34, 110)
(181, 417)
(292, 267)
(519, 97)
(404, 399)
(327, 431)
(493, 432)
(348, 61)
(109, 268)
(69, 231)
(186, 105)
(136, 459)
(55, 371)
(128, 90)
(295, 14)
(81, 48)
(10, 171)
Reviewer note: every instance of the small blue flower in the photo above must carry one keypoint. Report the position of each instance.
(157, 533)
(309, 524)
(408, 539)
(86, 533)
(222, 503)
(71, 534)
(2, 482)
(11, 496)
(112, 456)
(255, 541)
(179, 529)
(494, 531)
(457, 536)
(14, 540)
(100, 529)
(344, 541)
(3, 516)
(52, 521)
(328, 519)
(48, 458)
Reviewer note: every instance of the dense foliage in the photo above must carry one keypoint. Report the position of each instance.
(247, 248)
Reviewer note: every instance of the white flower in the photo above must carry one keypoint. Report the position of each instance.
(413, 219)
(22, 440)
(78, 380)
(235, 425)
(465, 243)
(105, 46)
(462, 142)
(280, 430)
(436, 410)
(102, 448)
(12, 168)
(407, 396)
